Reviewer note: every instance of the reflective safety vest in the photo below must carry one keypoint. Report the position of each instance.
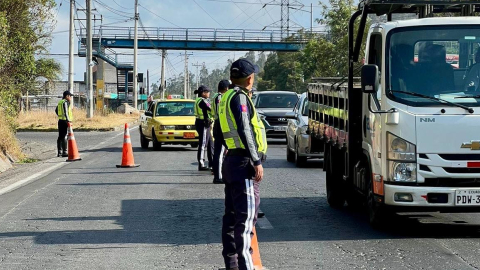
(198, 111)
(61, 113)
(214, 106)
(229, 125)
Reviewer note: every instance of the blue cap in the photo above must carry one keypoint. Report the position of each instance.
(223, 84)
(243, 68)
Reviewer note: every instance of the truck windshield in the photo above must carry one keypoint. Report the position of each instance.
(436, 61)
(174, 109)
(276, 101)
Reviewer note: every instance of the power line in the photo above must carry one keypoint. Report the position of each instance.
(208, 14)
(122, 6)
(158, 16)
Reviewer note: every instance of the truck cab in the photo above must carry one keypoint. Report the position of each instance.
(407, 137)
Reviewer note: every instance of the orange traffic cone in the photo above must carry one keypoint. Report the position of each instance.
(73, 154)
(127, 155)
(257, 262)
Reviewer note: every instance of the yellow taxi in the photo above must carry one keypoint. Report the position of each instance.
(169, 121)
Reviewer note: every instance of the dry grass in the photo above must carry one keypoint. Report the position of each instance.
(9, 143)
(43, 120)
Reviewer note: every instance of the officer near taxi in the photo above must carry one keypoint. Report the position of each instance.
(65, 115)
(218, 148)
(203, 123)
(245, 139)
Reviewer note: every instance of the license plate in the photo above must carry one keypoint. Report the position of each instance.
(280, 128)
(467, 197)
(189, 135)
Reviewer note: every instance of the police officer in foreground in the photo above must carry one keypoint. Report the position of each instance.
(203, 125)
(218, 147)
(245, 139)
(65, 115)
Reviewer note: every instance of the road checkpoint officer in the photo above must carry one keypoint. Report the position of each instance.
(65, 115)
(218, 148)
(245, 139)
(203, 125)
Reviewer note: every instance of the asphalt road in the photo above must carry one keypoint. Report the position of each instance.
(166, 215)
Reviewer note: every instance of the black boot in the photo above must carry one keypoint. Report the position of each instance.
(64, 145)
(59, 148)
(217, 181)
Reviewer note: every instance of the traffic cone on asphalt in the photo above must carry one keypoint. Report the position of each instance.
(73, 154)
(127, 153)
(257, 262)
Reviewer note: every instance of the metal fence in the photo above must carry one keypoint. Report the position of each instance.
(202, 34)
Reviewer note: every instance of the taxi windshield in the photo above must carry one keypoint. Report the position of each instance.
(180, 108)
(441, 62)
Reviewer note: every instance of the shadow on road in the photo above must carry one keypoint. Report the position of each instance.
(198, 221)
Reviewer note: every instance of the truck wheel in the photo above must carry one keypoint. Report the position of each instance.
(143, 141)
(299, 160)
(156, 145)
(290, 154)
(335, 193)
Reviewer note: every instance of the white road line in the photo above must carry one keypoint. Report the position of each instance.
(263, 223)
(31, 178)
(41, 174)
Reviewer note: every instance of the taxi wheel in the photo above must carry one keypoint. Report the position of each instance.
(156, 145)
(143, 141)
(194, 145)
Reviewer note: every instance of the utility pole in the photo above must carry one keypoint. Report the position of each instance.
(148, 83)
(162, 76)
(71, 46)
(197, 65)
(311, 18)
(185, 77)
(135, 50)
(89, 60)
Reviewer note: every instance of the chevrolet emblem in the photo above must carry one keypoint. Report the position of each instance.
(473, 145)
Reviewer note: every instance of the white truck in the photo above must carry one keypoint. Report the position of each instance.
(407, 137)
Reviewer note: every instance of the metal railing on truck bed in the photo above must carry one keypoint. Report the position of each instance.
(328, 109)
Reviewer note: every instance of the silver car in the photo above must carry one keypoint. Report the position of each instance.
(298, 141)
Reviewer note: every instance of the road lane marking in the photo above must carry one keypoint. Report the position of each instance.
(31, 178)
(52, 168)
(264, 224)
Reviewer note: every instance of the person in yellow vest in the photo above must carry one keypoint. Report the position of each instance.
(203, 124)
(218, 147)
(245, 139)
(65, 115)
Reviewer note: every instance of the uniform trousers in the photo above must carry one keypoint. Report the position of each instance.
(205, 143)
(242, 199)
(218, 150)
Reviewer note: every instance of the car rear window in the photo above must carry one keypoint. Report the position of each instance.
(276, 101)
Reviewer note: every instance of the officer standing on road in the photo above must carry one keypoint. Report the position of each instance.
(203, 123)
(245, 139)
(218, 147)
(65, 115)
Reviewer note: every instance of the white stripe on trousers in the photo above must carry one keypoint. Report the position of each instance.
(247, 237)
(202, 148)
(220, 162)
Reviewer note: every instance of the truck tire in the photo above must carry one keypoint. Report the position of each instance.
(300, 161)
(334, 183)
(156, 145)
(143, 140)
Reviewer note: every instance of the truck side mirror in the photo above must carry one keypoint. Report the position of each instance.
(370, 79)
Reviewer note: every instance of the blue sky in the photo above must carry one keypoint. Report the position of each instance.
(231, 14)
